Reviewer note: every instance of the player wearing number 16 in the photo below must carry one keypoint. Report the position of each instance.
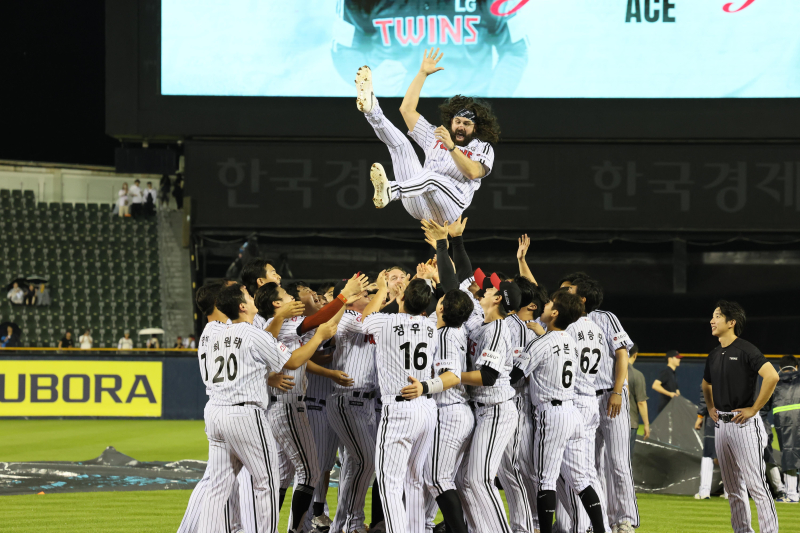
(405, 432)
(236, 423)
(560, 447)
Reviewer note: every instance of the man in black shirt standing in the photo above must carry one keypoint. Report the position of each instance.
(667, 383)
(729, 388)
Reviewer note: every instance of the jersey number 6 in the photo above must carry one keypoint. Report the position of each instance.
(566, 374)
(420, 357)
(219, 377)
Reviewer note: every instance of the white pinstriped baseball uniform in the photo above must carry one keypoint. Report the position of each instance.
(236, 423)
(437, 189)
(454, 420)
(350, 415)
(516, 469)
(288, 417)
(612, 446)
(191, 518)
(592, 349)
(260, 322)
(405, 433)
(559, 446)
(495, 423)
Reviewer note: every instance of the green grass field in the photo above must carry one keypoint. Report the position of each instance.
(161, 511)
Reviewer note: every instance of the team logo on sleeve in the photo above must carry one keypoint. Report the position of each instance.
(282, 347)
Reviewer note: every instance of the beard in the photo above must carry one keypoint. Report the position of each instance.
(461, 131)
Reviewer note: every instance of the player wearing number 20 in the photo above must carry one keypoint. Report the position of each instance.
(560, 444)
(236, 421)
(405, 343)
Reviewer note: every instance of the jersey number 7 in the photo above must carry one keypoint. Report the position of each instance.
(219, 377)
(420, 357)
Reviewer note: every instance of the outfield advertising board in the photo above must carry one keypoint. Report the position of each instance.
(42, 388)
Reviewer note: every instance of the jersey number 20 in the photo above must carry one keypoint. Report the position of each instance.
(232, 367)
(420, 357)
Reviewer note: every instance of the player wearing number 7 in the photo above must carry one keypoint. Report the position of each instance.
(236, 422)
(405, 432)
(458, 154)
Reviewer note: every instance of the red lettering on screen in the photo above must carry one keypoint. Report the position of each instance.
(410, 36)
(728, 7)
(384, 24)
(453, 30)
(497, 4)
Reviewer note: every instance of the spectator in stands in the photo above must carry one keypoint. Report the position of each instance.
(190, 342)
(66, 341)
(43, 298)
(178, 343)
(125, 343)
(123, 204)
(152, 342)
(637, 393)
(177, 190)
(164, 186)
(150, 200)
(16, 294)
(135, 195)
(667, 383)
(30, 296)
(86, 340)
(10, 340)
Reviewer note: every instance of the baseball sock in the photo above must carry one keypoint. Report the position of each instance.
(301, 500)
(453, 513)
(706, 474)
(281, 497)
(319, 508)
(791, 484)
(546, 508)
(591, 502)
(377, 504)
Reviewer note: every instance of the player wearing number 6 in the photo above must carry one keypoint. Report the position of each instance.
(458, 154)
(236, 423)
(560, 447)
(405, 343)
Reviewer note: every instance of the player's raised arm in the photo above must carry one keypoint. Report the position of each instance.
(409, 106)
(375, 304)
(522, 250)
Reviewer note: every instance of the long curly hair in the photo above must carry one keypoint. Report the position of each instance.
(486, 127)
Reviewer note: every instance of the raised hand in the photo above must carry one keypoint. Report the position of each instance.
(429, 61)
(457, 228)
(433, 229)
(443, 134)
(380, 282)
(355, 286)
(327, 330)
(524, 244)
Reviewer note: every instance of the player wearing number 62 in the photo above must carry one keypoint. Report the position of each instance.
(458, 154)
(236, 421)
(560, 443)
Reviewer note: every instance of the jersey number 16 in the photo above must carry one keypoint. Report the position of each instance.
(420, 357)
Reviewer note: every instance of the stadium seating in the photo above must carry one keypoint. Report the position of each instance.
(102, 270)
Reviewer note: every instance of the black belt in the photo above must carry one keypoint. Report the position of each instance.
(366, 395)
(477, 404)
(239, 404)
(321, 402)
(275, 398)
(603, 391)
(555, 403)
(401, 399)
(726, 418)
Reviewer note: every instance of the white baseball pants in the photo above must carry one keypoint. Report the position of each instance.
(517, 465)
(405, 434)
(292, 431)
(494, 426)
(613, 461)
(451, 437)
(240, 436)
(425, 194)
(233, 510)
(353, 421)
(740, 452)
(570, 514)
(559, 447)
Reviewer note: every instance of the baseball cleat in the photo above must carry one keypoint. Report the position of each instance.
(441, 527)
(625, 527)
(724, 495)
(381, 183)
(322, 523)
(785, 499)
(366, 97)
(698, 497)
(380, 527)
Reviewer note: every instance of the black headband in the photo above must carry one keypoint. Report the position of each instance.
(465, 113)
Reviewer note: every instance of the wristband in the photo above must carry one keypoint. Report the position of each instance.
(617, 393)
(432, 386)
(453, 148)
(342, 298)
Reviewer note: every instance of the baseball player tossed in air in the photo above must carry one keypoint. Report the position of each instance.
(404, 348)
(238, 430)
(560, 445)
(457, 156)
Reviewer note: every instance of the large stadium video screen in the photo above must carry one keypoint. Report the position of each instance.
(492, 48)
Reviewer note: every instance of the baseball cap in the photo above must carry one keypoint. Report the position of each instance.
(674, 353)
(510, 291)
(339, 287)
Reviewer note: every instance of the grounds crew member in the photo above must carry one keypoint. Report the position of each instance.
(786, 412)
